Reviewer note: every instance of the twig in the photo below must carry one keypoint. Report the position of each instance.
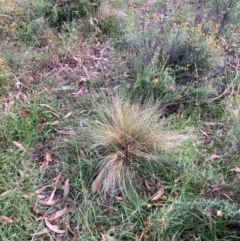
(178, 102)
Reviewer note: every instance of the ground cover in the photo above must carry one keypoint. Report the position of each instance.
(119, 120)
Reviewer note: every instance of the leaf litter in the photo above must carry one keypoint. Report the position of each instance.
(6, 219)
(19, 145)
(159, 193)
(56, 221)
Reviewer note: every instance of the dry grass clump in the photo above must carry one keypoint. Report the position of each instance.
(125, 133)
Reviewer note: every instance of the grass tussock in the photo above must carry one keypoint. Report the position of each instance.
(125, 133)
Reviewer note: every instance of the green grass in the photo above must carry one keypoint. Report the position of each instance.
(58, 86)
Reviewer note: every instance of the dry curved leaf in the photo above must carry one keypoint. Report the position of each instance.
(107, 237)
(6, 219)
(57, 214)
(66, 188)
(96, 185)
(159, 194)
(48, 157)
(237, 169)
(213, 157)
(45, 230)
(19, 145)
(67, 115)
(69, 229)
(63, 132)
(50, 203)
(54, 123)
(28, 195)
(52, 195)
(54, 228)
(149, 185)
(40, 190)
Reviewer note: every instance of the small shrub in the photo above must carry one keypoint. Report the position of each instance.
(124, 134)
(191, 52)
(108, 18)
(175, 61)
(107, 26)
(32, 33)
(24, 19)
(155, 84)
(98, 16)
(9, 17)
(58, 15)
